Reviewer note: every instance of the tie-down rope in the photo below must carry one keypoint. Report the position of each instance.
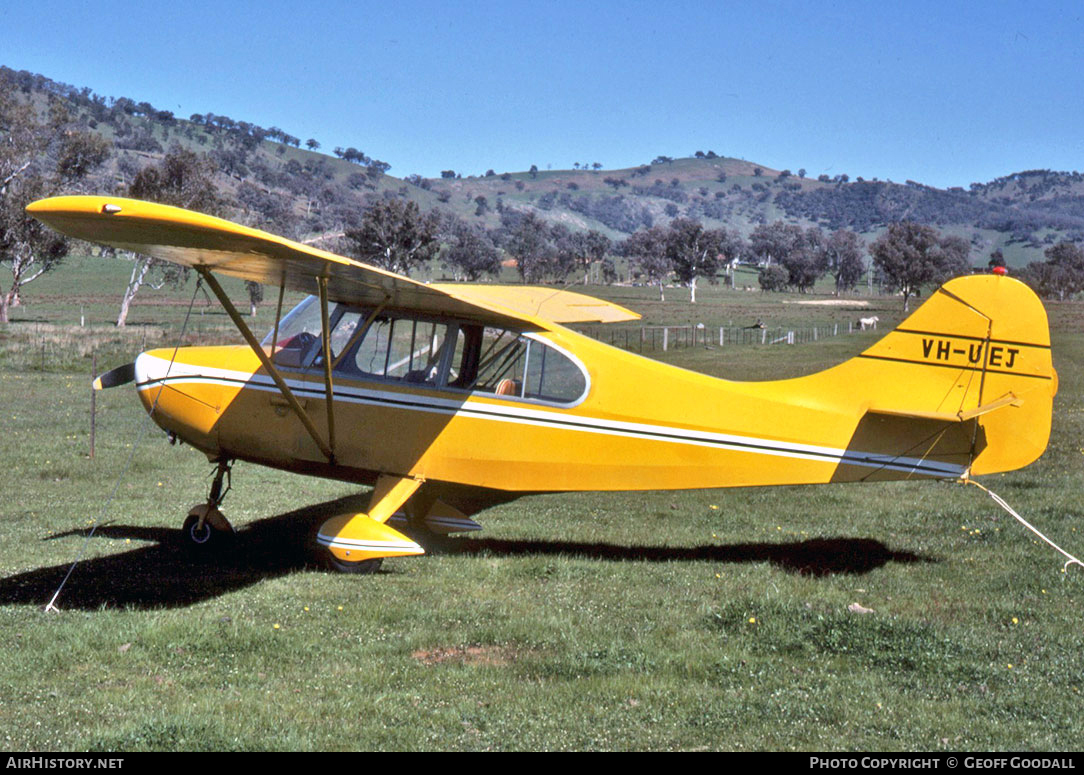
(1001, 502)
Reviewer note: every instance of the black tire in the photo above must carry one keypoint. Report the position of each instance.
(361, 567)
(206, 540)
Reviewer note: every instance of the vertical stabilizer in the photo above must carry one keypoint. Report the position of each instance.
(977, 352)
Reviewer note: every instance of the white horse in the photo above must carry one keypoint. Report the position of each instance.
(864, 323)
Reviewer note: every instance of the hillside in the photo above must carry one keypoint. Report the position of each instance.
(279, 182)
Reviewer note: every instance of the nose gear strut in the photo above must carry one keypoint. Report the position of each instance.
(205, 524)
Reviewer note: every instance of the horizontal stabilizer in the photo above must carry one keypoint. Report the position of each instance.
(961, 416)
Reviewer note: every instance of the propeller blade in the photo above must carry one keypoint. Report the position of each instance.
(121, 375)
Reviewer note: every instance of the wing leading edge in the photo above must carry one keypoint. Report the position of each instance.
(196, 240)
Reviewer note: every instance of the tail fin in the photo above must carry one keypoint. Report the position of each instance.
(975, 361)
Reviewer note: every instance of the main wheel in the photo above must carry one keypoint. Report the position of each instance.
(346, 566)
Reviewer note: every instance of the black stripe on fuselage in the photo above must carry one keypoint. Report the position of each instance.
(845, 457)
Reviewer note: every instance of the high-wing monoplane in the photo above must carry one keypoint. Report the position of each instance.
(447, 397)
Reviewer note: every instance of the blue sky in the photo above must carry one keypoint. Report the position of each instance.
(940, 92)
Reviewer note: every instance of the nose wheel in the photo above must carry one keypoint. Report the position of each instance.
(205, 527)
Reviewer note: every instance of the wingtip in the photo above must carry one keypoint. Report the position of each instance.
(38, 206)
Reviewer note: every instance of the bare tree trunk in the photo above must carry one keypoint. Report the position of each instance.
(21, 261)
(139, 272)
(692, 290)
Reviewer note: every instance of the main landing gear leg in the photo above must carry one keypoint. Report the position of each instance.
(359, 542)
(205, 526)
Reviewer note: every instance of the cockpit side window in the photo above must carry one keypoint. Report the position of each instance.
(454, 355)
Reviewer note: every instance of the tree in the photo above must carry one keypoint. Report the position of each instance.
(693, 251)
(773, 241)
(255, 296)
(183, 179)
(28, 248)
(80, 153)
(646, 251)
(469, 252)
(395, 235)
(580, 249)
(808, 261)
(845, 262)
(802, 253)
(773, 278)
(312, 144)
(565, 255)
(910, 255)
(1061, 275)
(528, 241)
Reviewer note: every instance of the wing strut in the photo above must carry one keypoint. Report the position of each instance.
(328, 387)
(235, 316)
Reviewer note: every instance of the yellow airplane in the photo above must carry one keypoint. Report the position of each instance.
(450, 397)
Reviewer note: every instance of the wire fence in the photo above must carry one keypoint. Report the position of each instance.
(648, 338)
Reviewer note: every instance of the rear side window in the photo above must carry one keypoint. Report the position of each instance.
(513, 365)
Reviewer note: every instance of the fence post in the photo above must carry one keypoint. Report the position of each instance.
(93, 400)
(665, 336)
(835, 330)
(814, 333)
(790, 337)
(763, 335)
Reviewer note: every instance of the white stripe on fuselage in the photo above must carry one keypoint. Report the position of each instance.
(151, 369)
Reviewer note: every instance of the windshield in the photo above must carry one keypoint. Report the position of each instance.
(298, 335)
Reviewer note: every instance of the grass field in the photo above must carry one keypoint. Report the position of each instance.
(716, 620)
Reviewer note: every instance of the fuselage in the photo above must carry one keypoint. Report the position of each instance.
(608, 420)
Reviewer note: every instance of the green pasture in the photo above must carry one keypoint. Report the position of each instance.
(705, 620)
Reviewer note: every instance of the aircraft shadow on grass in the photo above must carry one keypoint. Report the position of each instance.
(167, 574)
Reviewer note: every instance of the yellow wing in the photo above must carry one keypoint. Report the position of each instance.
(203, 241)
